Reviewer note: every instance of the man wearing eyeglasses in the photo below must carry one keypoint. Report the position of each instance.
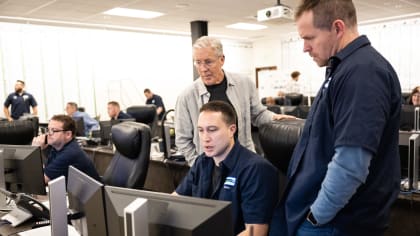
(216, 84)
(62, 150)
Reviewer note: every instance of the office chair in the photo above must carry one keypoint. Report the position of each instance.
(128, 167)
(18, 132)
(145, 114)
(278, 139)
(294, 99)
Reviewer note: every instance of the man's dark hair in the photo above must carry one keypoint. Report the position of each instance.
(228, 113)
(295, 74)
(147, 91)
(325, 12)
(73, 104)
(21, 81)
(68, 123)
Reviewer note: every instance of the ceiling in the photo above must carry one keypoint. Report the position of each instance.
(179, 14)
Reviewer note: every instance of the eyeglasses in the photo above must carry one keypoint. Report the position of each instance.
(52, 131)
(206, 63)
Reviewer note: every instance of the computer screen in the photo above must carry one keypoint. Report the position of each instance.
(23, 171)
(105, 129)
(169, 214)
(80, 127)
(407, 117)
(85, 196)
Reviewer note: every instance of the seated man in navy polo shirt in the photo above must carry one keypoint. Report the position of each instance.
(115, 112)
(230, 172)
(62, 149)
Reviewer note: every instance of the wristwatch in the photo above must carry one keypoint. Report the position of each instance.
(310, 217)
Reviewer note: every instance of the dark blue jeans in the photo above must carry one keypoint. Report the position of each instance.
(307, 229)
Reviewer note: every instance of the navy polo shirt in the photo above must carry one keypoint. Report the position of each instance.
(358, 106)
(123, 115)
(58, 162)
(158, 102)
(20, 104)
(249, 182)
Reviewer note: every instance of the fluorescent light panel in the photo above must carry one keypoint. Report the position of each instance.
(246, 26)
(133, 13)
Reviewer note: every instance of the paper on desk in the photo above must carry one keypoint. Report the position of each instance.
(46, 231)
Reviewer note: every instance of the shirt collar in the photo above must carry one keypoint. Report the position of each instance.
(359, 42)
(202, 90)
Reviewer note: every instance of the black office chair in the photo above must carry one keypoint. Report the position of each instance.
(294, 99)
(128, 167)
(145, 114)
(18, 132)
(278, 139)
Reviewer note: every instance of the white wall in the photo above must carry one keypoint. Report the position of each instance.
(91, 66)
(396, 41)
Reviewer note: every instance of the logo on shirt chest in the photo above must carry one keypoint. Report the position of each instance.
(230, 182)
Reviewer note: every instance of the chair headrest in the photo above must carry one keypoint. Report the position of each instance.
(145, 114)
(278, 140)
(128, 137)
(19, 132)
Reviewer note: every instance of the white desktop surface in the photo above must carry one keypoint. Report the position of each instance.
(46, 231)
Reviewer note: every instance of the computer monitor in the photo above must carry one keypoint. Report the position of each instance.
(80, 127)
(23, 171)
(85, 196)
(105, 129)
(169, 214)
(407, 117)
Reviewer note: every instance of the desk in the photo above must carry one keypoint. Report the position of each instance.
(161, 176)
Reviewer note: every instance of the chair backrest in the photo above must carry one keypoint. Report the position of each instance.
(18, 132)
(128, 167)
(294, 98)
(145, 114)
(278, 140)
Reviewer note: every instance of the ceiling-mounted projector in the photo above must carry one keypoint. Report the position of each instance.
(279, 12)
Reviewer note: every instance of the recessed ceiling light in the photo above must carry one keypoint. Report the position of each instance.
(246, 26)
(133, 13)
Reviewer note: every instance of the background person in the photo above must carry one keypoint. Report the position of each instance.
(20, 101)
(414, 98)
(344, 174)
(216, 84)
(157, 101)
(115, 112)
(89, 123)
(230, 172)
(62, 149)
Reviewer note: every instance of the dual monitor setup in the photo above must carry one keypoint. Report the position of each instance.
(109, 210)
(102, 207)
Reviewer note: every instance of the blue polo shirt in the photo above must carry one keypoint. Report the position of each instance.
(250, 183)
(20, 104)
(359, 105)
(58, 162)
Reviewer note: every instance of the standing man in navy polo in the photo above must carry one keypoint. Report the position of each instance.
(155, 100)
(228, 171)
(345, 171)
(21, 102)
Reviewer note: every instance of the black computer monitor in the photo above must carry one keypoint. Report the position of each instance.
(23, 171)
(169, 214)
(407, 117)
(80, 127)
(85, 196)
(105, 129)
